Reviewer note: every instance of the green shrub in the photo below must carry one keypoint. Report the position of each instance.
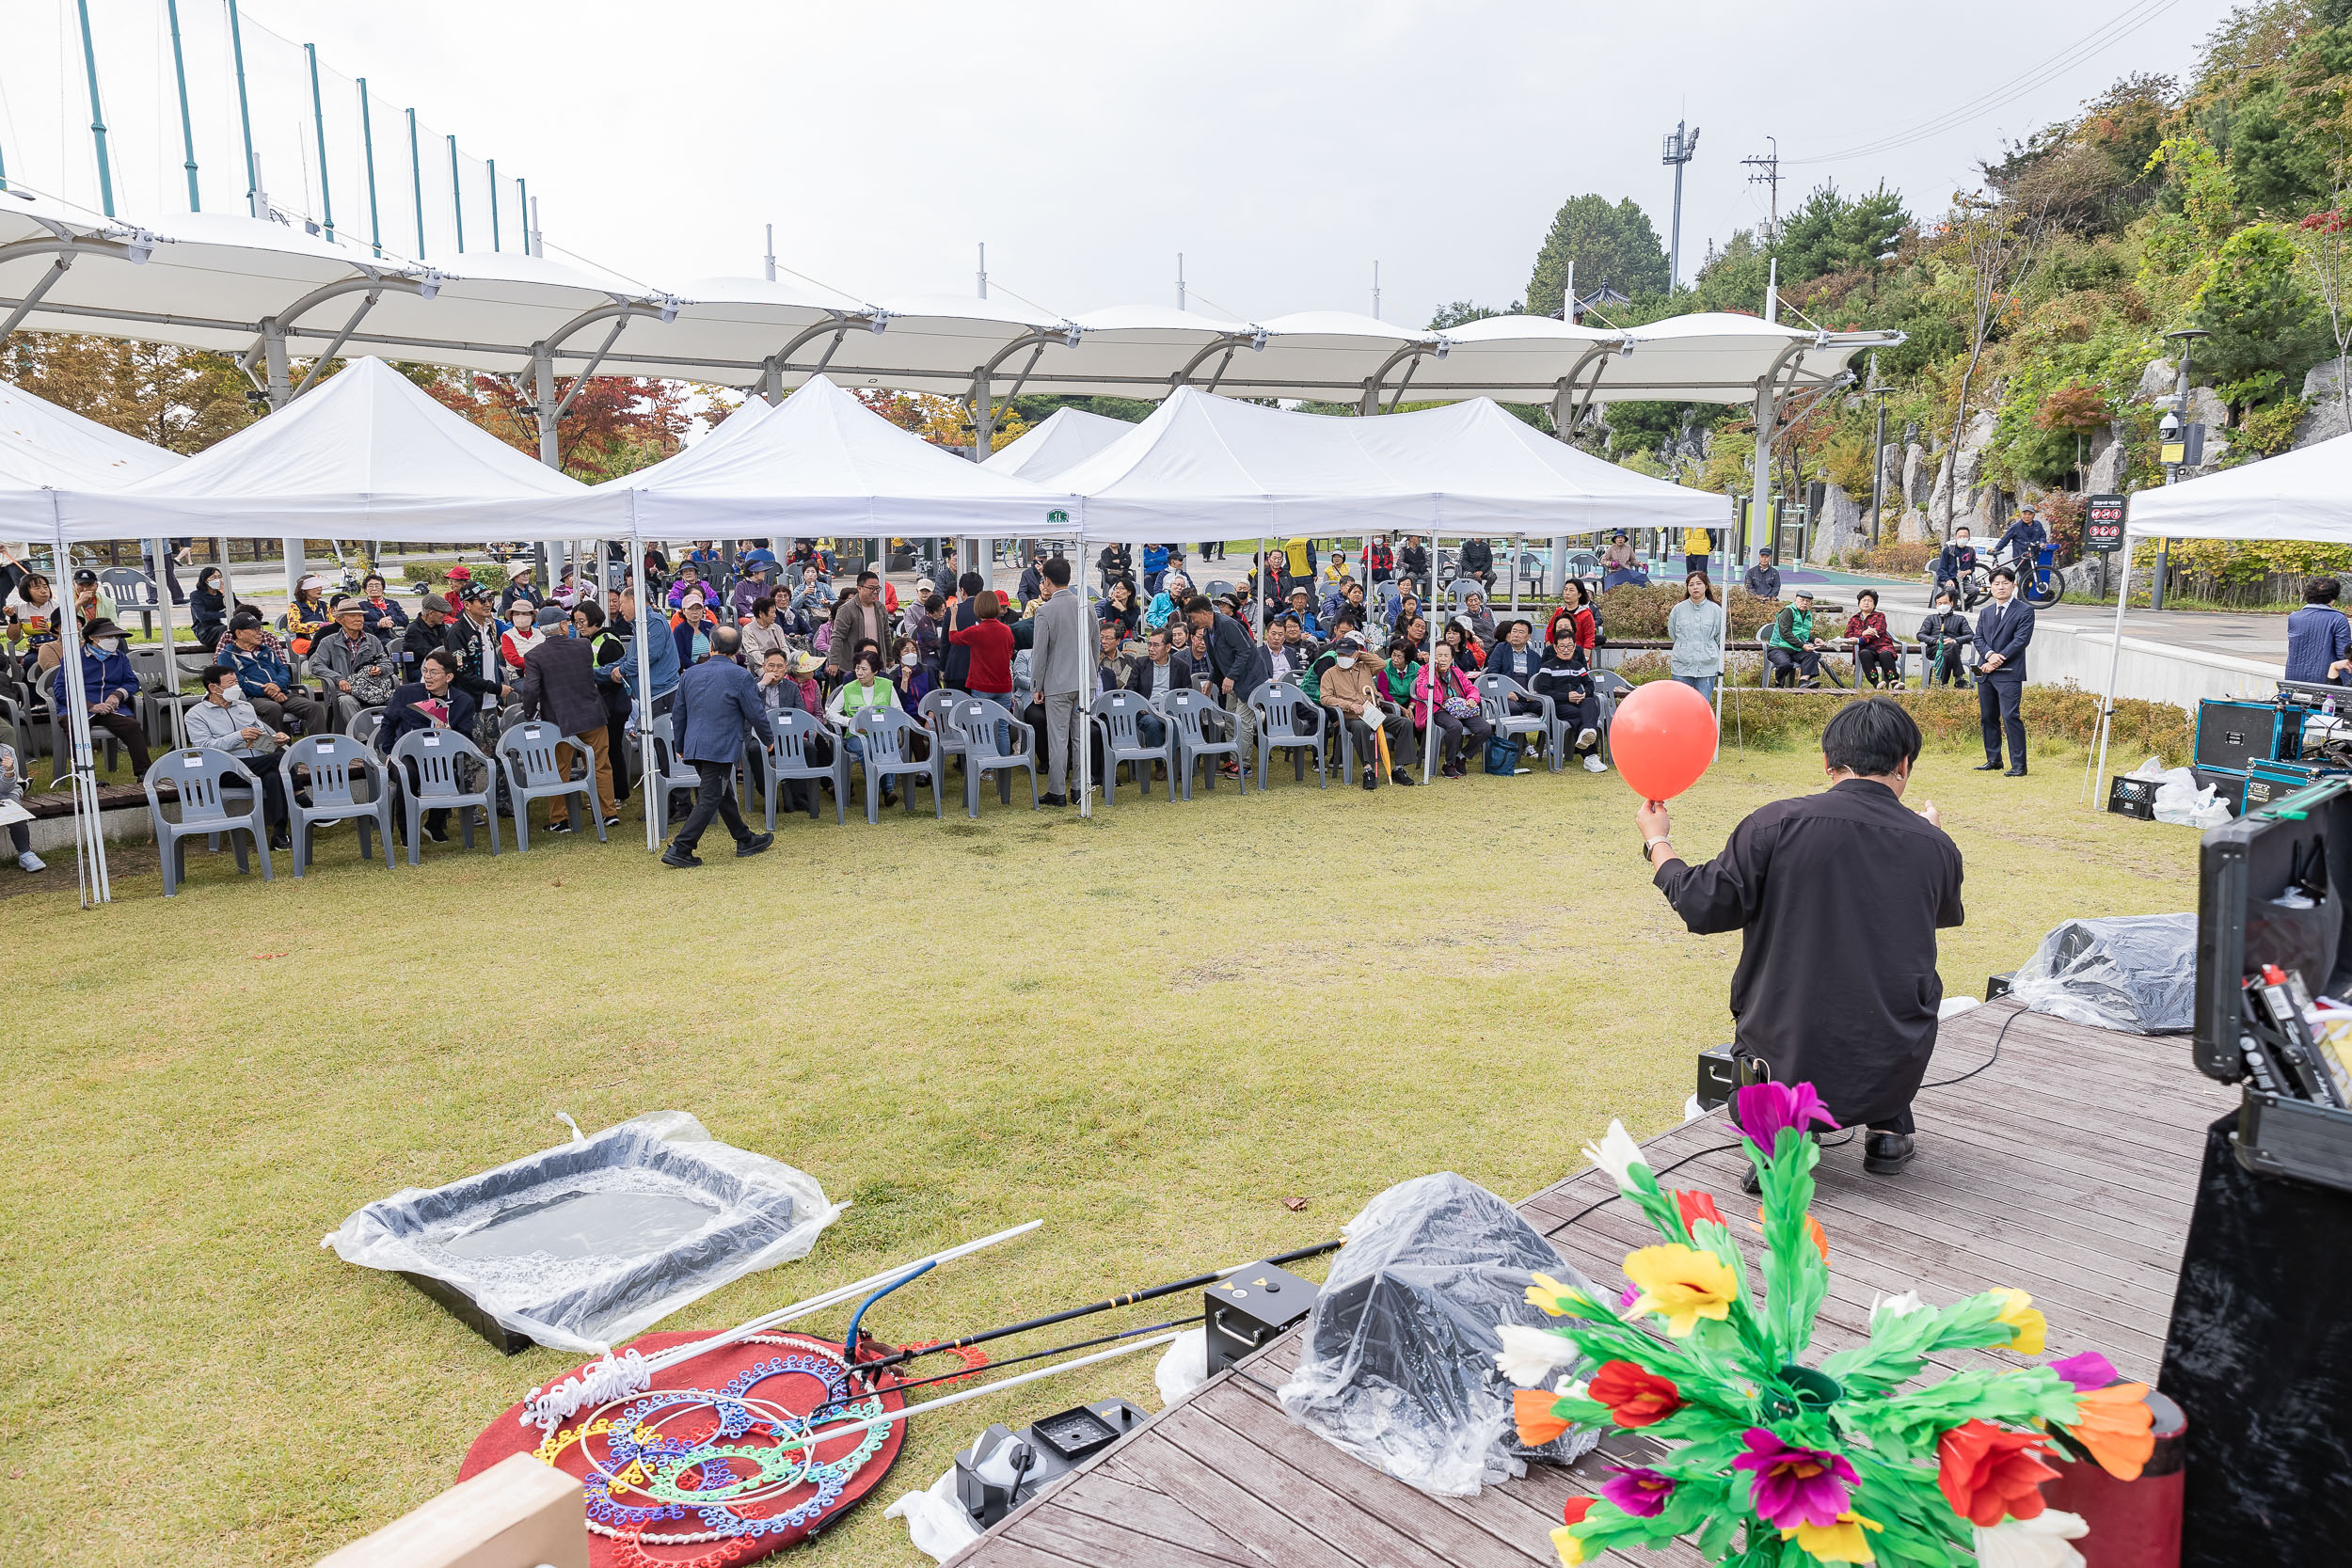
(435, 572)
(1896, 558)
(1637, 614)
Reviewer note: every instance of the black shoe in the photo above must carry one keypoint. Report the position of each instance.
(1371, 780)
(1991, 764)
(563, 827)
(1403, 776)
(281, 841)
(890, 797)
(1887, 1153)
(2017, 772)
(439, 835)
(612, 822)
(1053, 800)
(1751, 1183)
(672, 857)
(752, 845)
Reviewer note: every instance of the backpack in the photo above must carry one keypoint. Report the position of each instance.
(1502, 755)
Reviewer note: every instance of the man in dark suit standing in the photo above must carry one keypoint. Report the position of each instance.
(716, 701)
(2003, 629)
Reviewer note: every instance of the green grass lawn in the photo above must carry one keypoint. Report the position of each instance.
(1150, 1031)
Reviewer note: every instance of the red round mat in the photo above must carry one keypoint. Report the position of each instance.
(794, 1390)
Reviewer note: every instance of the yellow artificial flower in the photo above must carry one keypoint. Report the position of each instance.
(1555, 1299)
(1843, 1542)
(1682, 1284)
(2030, 1327)
(1571, 1550)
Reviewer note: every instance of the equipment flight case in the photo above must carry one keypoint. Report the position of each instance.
(2271, 933)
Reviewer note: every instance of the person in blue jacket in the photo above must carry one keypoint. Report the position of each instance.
(110, 689)
(662, 661)
(718, 703)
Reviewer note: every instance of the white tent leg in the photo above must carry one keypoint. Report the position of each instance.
(2115, 660)
(171, 657)
(1082, 727)
(89, 833)
(644, 711)
(1429, 663)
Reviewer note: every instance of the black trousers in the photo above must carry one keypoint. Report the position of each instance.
(1804, 661)
(715, 797)
(1997, 713)
(1944, 667)
(266, 768)
(1457, 736)
(125, 729)
(1876, 664)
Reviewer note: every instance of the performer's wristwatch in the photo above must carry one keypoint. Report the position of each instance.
(1651, 844)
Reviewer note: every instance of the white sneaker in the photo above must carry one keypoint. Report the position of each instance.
(1593, 764)
(1585, 737)
(30, 861)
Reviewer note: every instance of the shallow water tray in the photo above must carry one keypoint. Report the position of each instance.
(591, 1241)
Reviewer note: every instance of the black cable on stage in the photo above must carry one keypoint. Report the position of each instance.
(1988, 1061)
(1719, 1148)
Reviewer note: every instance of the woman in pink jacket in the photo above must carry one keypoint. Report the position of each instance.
(1459, 724)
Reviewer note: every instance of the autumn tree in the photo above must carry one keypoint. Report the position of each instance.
(616, 425)
(182, 400)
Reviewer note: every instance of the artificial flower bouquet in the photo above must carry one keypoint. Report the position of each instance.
(1778, 1463)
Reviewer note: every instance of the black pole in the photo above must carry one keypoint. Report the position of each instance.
(1196, 1282)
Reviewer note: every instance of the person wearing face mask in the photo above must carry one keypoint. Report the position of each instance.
(267, 679)
(226, 721)
(109, 690)
(909, 674)
(1351, 689)
(431, 702)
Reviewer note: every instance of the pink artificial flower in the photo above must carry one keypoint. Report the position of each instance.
(1638, 1491)
(2087, 1371)
(1761, 1110)
(1795, 1486)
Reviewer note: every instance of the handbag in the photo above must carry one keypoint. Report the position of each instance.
(1502, 755)
(372, 690)
(1461, 707)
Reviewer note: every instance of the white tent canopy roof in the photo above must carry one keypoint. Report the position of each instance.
(368, 456)
(2297, 495)
(43, 445)
(209, 279)
(1067, 436)
(1207, 467)
(824, 464)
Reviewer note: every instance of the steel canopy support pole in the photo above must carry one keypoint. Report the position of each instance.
(245, 119)
(416, 181)
(278, 388)
(456, 197)
(367, 145)
(97, 118)
(318, 124)
(32, 297)
(492, 165)
(187, 132)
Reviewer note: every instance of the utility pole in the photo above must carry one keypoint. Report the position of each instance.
(1376, 291)
(1769, 177)
(1179, 281)
(984, 269)
(1679, 147)
(1877, 451)
(2187, 337)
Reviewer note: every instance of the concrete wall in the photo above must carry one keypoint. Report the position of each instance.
(2150, 671)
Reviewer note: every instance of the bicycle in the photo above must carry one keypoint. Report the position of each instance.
(2039, 583)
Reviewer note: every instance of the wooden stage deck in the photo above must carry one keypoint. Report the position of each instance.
(2066, 1168)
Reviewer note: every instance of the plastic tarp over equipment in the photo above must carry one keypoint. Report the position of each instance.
(2136, 973)
(593, 1242)
(1398, 1365)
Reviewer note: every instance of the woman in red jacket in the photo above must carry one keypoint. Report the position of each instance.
(1876, 659)
(991, 642)
(1574, 625)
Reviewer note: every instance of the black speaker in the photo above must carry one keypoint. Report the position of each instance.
(2238, 734)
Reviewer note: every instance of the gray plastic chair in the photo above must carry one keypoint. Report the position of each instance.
(1611, 689)
(528, 751)
(888, 735)
(1495, 692)
(438, 785)
(200, 775)
(338, 765)
(668, 772)
(1189, 715)
(946, 741)
(1114, 717)
(1458, 592)
(980, 722)
(787, 749)
(1278, 706)
(364, 724)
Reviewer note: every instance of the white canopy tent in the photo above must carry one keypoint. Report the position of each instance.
(2299, 495)
(1068, 438)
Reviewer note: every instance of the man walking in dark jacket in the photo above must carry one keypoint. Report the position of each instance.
(560, 686)
(2003, 629)
(717, 701)
(1237, 667)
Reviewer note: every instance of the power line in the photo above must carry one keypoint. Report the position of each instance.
(2124, 23)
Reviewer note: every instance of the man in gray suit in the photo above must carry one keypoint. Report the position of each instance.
(1059, 659)
(716, 701)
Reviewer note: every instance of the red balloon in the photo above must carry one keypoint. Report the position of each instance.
(1664, 738)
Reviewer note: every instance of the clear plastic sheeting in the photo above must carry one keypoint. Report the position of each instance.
(594, 1241)
(1398, 1365)
(2136, 973)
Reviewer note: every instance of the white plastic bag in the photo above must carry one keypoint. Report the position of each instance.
(2180, 800)
(1183, 1366)
(936, 1519)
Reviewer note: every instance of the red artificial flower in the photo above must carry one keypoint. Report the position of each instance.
(1986, 1473)
(1694, 1207)
(1574, 1509)
(1634, 1398)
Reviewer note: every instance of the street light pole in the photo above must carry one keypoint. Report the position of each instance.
(2187, 337)
(1878, 451)
(1678, 148)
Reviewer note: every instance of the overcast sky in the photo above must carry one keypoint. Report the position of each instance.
(1281, 147)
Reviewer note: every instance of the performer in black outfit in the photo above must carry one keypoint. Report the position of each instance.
(1841, 991)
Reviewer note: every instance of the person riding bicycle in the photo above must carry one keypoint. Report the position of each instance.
(1954, 563)
(2021, 543)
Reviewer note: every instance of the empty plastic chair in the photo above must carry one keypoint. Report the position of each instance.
(1190, 717)
(890, 738)
(438, 784)
(794, 737)
(364, 724)
(339, 767)
(1495, 692)
(668, 775)
(200, 775)
(1116, 719)
(946, 741)
(1289, 719)
(994, 742)
(528, 751)
(1611, 689)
